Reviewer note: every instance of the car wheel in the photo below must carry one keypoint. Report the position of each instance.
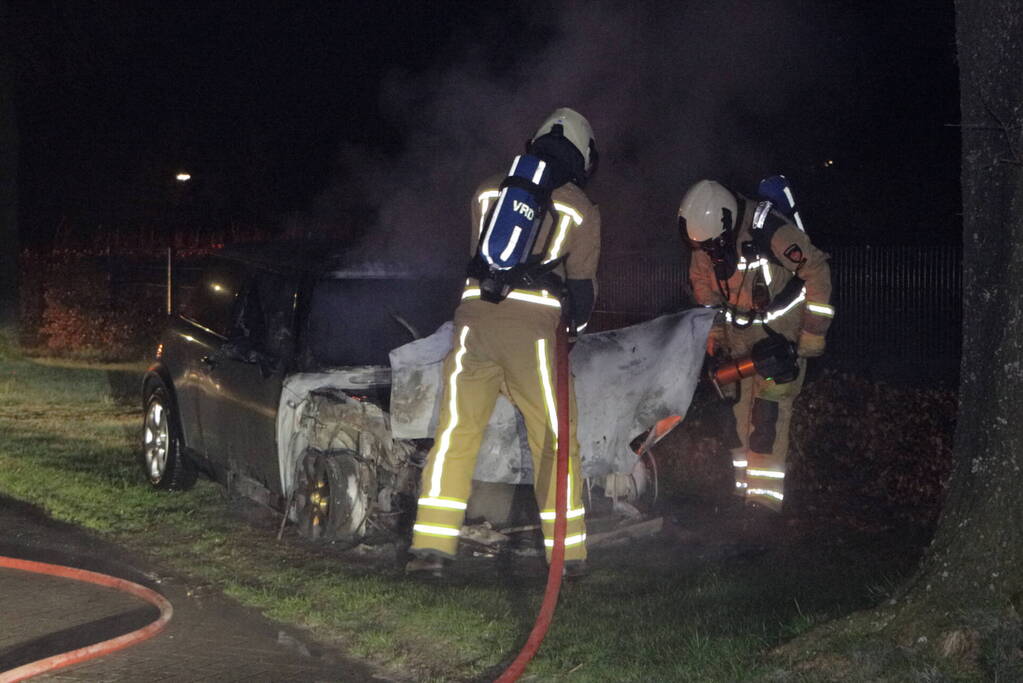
(331, 501)
(165, 465)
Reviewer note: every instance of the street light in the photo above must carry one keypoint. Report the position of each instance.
(183, 177)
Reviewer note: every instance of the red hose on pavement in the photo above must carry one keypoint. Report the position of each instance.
(554, 573)
(105, 647)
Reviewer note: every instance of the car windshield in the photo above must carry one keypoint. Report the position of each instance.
(358, 320)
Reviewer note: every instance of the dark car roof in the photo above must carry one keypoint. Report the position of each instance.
(295, 255)
(358, 308)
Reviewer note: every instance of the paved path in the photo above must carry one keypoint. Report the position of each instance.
(210, 637)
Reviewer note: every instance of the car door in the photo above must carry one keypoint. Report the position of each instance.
(201, 328)
(246, 377)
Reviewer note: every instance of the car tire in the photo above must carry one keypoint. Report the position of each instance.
(163, 460)
(331, 499)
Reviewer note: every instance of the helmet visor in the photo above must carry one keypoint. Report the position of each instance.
(714, 245)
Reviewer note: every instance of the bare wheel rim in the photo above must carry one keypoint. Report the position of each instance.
(156, 441)
(317, 496)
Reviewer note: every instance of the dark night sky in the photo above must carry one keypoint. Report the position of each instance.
(324, 116)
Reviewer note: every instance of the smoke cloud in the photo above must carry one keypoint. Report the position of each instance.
(675, 92)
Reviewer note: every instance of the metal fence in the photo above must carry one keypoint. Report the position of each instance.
(637, 286)
(149, 275)
(898, 302)
(897, 308)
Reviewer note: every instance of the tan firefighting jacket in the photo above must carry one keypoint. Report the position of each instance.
(576, 229)
(756, 292)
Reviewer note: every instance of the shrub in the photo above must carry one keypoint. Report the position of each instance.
(76, 308)
(869, 452)
(886, 449)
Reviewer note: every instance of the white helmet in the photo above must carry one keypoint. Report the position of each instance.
(707, 210)
(576, 129)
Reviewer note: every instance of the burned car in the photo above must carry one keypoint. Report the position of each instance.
(313, 387)
(259, 316)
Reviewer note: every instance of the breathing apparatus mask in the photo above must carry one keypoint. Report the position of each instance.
(721, 251)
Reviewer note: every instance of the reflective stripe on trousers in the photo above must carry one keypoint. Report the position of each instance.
(491, 352)
(760, 475)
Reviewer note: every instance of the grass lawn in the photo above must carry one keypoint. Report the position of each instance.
(666, 609)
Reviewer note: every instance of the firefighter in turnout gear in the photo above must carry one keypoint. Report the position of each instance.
(766, 277)
(504, 341)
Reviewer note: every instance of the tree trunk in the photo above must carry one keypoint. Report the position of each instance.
(966, 600)
(961, 612)
(974, 567)
(8, 178)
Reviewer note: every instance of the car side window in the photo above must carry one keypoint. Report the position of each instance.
(265, 313)
(214, 302)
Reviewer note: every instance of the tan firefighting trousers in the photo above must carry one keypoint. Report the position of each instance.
(507, 347)
(763, 414)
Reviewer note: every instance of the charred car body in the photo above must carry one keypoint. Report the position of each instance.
(313, 388)
(262, 316)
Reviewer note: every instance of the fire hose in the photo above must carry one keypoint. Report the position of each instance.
(95, 650)
(557, 565)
